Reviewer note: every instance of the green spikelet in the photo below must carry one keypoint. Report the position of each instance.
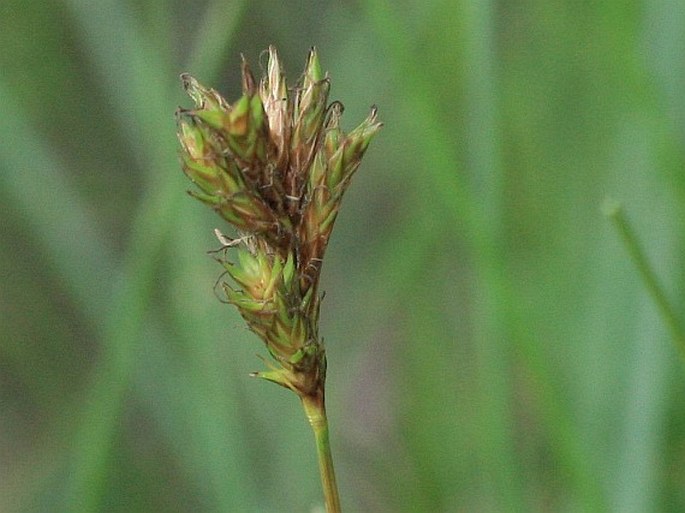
(275, 165)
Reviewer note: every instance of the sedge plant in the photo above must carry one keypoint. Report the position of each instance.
(275, 164)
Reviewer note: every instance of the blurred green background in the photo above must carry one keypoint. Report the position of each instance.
(491, 346)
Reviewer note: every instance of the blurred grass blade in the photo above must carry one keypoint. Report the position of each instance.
(136, 78)
(636, 484)
(138, 91)
(135, 75)
(446, 185)
(481, 223)
(206, 436)
(54, 213)
(215, 403)
(215, 34)
(614, 211)
(491, 300)
(568, 448)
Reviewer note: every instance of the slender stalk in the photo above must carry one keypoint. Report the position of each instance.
(614, 211)
(315, 409)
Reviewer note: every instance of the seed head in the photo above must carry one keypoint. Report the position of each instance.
(275, 164)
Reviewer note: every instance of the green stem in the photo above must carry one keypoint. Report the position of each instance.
(614, 211)
(315, 410)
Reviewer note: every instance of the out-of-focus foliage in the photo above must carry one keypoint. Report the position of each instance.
(490, 345)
